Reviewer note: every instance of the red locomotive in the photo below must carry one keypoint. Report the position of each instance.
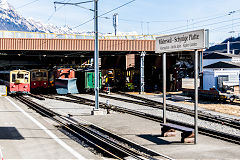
(65, 81)
(65, 73)
(17, 81)
(39, 79)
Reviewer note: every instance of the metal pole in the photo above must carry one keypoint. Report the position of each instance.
(142, 72)
(96, 55)
(164, 87)
(196, 97)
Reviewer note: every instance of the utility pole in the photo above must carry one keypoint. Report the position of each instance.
(115, 22)
(96, 52)
(142, 72)
(96, 55)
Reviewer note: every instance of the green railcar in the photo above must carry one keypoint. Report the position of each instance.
(86, 81)
(90, 81)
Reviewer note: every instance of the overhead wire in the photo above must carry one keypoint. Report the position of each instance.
(184, 27)
(104, 13)
(223, 27)
(27, 4)
(50, 17)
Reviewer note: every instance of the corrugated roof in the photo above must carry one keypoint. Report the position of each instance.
(75, 44)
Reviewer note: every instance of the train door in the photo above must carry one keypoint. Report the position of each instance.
(23, 82)
(89, 80)
(12, 86)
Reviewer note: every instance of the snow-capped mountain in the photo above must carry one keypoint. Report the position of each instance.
(10, 20)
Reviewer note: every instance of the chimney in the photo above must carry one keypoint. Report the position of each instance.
(228, 47)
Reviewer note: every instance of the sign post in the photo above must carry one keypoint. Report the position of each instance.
(164, 86)
(187, 41)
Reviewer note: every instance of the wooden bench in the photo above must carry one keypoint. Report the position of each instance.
(187, 135)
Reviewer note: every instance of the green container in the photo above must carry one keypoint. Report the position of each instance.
(89, 80)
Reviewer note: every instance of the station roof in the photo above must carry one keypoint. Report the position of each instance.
(31, 44)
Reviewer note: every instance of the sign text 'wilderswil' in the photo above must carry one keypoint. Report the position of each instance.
(183, 41)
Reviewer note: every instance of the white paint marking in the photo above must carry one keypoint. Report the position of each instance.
(59, 141)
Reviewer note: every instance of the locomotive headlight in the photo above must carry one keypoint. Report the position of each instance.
(25, 86)
(34, 83)
(45, 83)
(13, 86)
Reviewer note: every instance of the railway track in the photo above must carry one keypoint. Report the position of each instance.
(205, 131)
(201, 115)
(104, 142)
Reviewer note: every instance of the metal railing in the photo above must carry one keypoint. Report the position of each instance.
(21, 34)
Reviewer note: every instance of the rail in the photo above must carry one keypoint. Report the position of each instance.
(21, 34)
(105, 142)
(202, 130)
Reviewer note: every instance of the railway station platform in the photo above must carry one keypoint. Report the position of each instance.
(24, 134)
(23, 139)
(146, 132)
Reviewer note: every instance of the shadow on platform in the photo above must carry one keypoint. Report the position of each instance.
(157, 139)
(10, 133)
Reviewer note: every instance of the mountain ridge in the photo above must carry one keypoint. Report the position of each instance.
(10, 20)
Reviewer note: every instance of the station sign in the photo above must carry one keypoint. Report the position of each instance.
(198, 39)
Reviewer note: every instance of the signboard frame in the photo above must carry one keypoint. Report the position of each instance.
(192, 40)
(187, 41)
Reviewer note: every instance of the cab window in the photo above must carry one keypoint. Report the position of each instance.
(20, 76)
(39, 74)
(44, 74)
(33, 75)
(26, 76)
(13, 77)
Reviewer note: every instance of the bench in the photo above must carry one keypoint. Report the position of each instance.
(187, 135)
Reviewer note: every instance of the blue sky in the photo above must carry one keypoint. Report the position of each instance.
(143, 16)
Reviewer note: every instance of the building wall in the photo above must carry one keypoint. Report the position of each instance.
(210, 77)
(208, 80)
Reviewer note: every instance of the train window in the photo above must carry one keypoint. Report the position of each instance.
(13, 77)
(33, 75)
(44, 74)
(26, 76)
(20, 75)
(39, 74)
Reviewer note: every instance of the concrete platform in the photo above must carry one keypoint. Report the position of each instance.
(21, 138)
(147, 133)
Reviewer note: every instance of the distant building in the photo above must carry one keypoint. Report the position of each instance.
(221, 71)
(217, 57)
